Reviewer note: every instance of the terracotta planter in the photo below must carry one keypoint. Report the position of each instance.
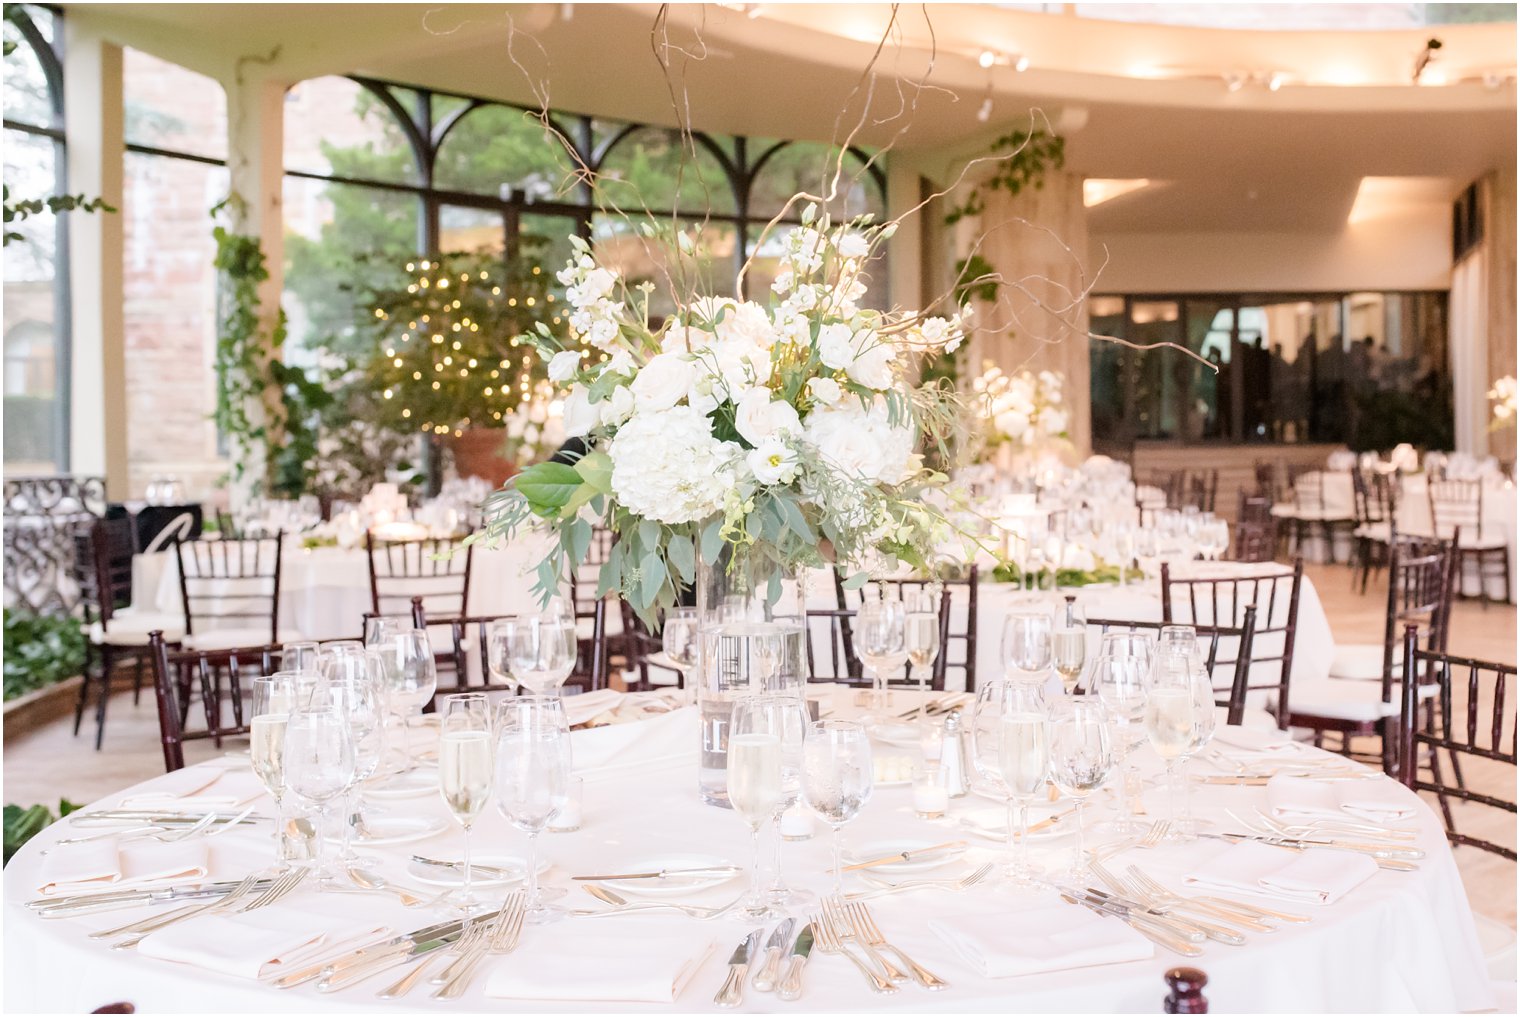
(478, 453)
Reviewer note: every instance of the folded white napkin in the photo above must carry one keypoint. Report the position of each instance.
(106, 864)
(621, 960)
(256, 944)
(197, 788)
(1377, 799)
(1255, 739)
(1050, 938)
(616, 748)
(1313, 876)
(589, 705)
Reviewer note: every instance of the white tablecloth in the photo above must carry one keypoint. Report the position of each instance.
(1398, 942)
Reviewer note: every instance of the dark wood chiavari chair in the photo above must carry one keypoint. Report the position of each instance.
(234, 579)
(958, 592)
(1487, 686)
(641, 645)
(1255, 530)
(1374, 506)
(433, 568)
(1360, 700)
(213, 674)
(1272, 591)
(1200, 489)
(1312, 513)
(1227, 654)
(845, 667)
(1456, 506)
(461, 631)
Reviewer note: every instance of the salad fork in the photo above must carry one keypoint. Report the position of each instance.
(1239, 907)
(282, 887)
(236, 894)
(870, 934)
(826, 938)
(834, 911)
(964, 882)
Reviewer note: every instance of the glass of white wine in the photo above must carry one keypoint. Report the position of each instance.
(1080, 760)
(837, 778)
(678, 637)
(272, 699)
(1068, 641)
(880, 640)
(1122, 684)
(465, 773)
(1172, 717)
(921, 634)
(1010, 729)
(755, 769)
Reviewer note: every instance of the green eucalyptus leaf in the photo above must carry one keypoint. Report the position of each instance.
(712, 540)
(683, 556)
(856, 581)
(548, 487)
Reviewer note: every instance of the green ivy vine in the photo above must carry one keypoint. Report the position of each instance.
(1032, 154)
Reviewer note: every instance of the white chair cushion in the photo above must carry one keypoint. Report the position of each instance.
(1361, 662)
(227, 639)
(1380, 532)
(1358, 702)
(1475, 543)
(1285, 511)
(130, 628)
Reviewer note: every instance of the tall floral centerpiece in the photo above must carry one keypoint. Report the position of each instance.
(1021, 414)
(738, 443)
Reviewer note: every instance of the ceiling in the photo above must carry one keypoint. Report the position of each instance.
(1253, 159)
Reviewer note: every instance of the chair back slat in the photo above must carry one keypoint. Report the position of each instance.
(956, 592)
(1234, 667)
(1456, 504)
(230, 578)
(433, 568)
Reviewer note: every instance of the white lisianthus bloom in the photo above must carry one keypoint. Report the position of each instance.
(680, 339)
(667, 466)
(834, 346)
(859, 442)
(955, 342)
(934, 331)
(872, 366)
(664, 381)
(603, 332)
(594, 285)
(563, 365)
(825, 391)
(773, 462)
(737, 366)
(853, 245)
(747, 324)
(783, 282)
(580, 415)
(758, 417)
(621, 362)
(617, 407)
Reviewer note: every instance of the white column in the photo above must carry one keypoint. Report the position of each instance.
(93, 122)
(906, 263)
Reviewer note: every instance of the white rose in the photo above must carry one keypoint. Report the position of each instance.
(563, 365)
(1011, 423)
(747, 324)
(663, 382)
(825, 391)
(862, 443)
(757, 417)
(934, 330)
(853, 245)
(872, 366)
(834, 346)
(580, 415)
(602, 332)
(772, 462)
(617, 407)
(738, 365)
(621, 362)
(1052, 420)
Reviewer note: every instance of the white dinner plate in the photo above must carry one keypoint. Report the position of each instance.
(512, 869)
(411, 784)
(674, 885)
(882, 848)
(902, 736)
(992, 823)
(401, 829)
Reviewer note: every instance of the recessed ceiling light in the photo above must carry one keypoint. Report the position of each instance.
(987, 59)
(1021, 63)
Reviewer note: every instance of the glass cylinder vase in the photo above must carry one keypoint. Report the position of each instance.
(751, 629)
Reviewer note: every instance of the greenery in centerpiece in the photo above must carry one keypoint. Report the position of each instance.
(1101, 572)
(787, 432)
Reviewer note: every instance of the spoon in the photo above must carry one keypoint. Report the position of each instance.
(370, 881)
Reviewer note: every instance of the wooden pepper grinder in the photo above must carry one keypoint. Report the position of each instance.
(1185, 991)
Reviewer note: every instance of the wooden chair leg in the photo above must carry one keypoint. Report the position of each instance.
(108, 663)
(1441, 797)
(137, 677)
(84, 686)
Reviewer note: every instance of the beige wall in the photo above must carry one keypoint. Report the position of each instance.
(1500, 193)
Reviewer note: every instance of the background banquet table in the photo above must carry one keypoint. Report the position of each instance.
(1398, 942)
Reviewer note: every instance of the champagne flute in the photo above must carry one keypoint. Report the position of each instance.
(532, 778)
(541, 650)
(1121, 683)
(755, 780)
(498, 656)
(411, 678)
(319, 764)
(300, 656)
(1068, 642)
(837, 778)
(1123, 533)
(1010, 735)
(921, 635)
(1173, 716)
(352, 684)
(272, 699)
(881, 643)
(465, 772)
(1080, 759)
(678, 636)
(1026, 644)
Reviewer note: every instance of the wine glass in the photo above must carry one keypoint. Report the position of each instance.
(353, 684)
(1010, 736)
(1214, 538)
(1139, 645)
(498, 660)
(1179, 721)
(1026, 644)
(837, 778)
(1121, 684)
(300, 656)
(1080, 759)
(881, 643)
(679, 639)
(921, 635)
(1123, 534)
(465, 771)
(755, 768)
(379, 628)
(411, 678)
(532, 778)
(1068, 641)
(541, 650)
(1148, 549)
(273, 696)
(319, 764)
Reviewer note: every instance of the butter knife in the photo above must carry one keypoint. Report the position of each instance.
(711, 870)
(765, 975)
(370, 959)
(65, 907)
(791, 982)
(1398, 859)
(906, 856)
(732, 992)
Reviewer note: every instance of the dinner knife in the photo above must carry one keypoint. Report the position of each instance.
(1156, 934)
(158, 818)
(371, 951)
(711, 870)
(343, 973)
(1194, 929)
(906, 856)
(791, 982)
(1398, 859)
(732, 992)
(489, 871)
(65, 907)
(765, 976)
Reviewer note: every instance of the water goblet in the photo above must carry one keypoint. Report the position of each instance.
(319, 765)
(837, 778)
(1080, 760)
(1026, 644)
(411, 678)
(532, 779)
(541, 650)
(1121, 683)
(678, 637)
(881, 643)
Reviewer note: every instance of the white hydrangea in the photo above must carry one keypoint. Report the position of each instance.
(861, 442)
(667, 466)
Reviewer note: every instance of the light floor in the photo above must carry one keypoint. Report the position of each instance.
(50, 763)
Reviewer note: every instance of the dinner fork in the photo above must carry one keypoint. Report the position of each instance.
(834, 911)
(826, 938)
(1159, 830)
(281, 888)
(1169, 902)
(1228, 904)
(219, 904)
(1129, 889)
(502, 939)
(870, 934)
(886, 888)
(622, 905)
(1325, 825)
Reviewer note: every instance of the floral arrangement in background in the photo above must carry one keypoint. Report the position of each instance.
(786, 431)
(1503, 394)
(536, 429)
(1023, 409)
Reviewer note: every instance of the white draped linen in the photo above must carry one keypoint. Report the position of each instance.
(1393, 942)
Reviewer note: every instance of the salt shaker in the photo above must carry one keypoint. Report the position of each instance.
(955, 758)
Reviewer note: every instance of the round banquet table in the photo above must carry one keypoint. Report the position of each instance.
(1396, 942)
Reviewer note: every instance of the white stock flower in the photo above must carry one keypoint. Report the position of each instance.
(758, 417)
(594, 285)
(1052, 420)
(737, 365)
(664, 381)
(602, 333)
(563, 365)
(621, 362)
(773, 462)
(783, 282)
(748, 324)
(853, 245)
(667, 466)
(825, 391)
(580, 415)
(834, 346)
(861, 443)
